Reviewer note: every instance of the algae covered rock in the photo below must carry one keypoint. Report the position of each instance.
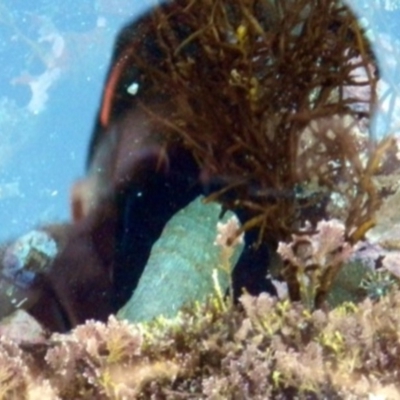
(22, 327)
(181, 264)
(347, 285)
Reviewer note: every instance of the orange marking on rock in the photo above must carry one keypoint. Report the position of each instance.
(109, 91)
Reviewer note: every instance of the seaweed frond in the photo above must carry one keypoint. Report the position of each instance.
(272, 96)
(274, 99)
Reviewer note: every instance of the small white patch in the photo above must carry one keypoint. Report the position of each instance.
(133, 88)
(331, 134)
(101, 22)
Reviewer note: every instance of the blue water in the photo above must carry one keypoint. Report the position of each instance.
(65, 47)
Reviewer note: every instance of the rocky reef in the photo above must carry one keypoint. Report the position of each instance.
(293, 123)
(271, 349)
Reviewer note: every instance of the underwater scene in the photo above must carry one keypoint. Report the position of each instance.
(200, 199)
(54, 60)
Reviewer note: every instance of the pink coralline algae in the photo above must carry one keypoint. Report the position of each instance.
(313, 259)
(325, 248)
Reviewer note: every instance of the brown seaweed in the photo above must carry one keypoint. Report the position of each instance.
(274, 97)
